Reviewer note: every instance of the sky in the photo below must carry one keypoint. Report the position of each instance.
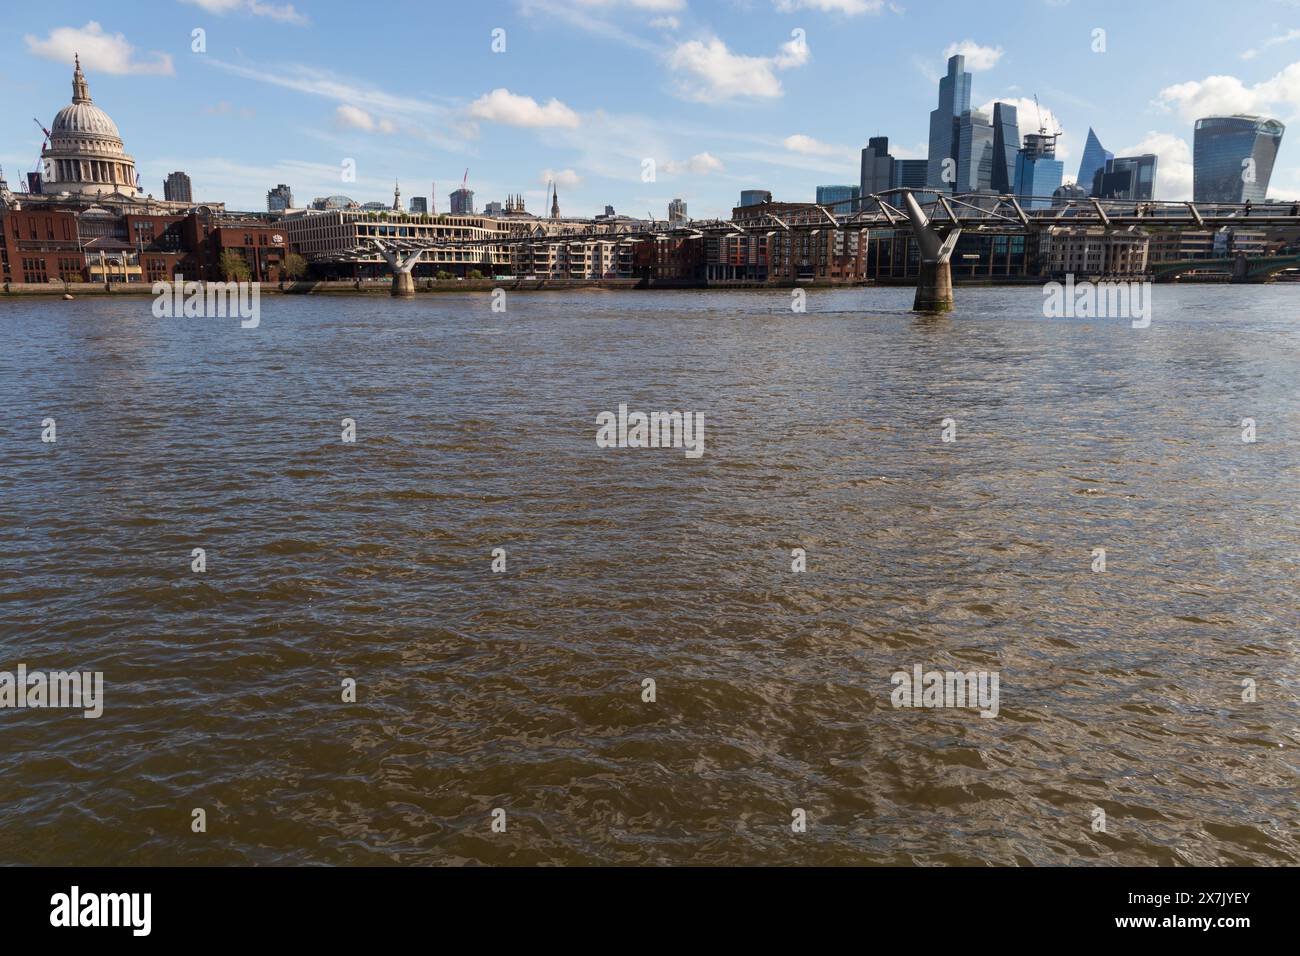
(628, 103)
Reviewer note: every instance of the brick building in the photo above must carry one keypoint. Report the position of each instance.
(261, 242)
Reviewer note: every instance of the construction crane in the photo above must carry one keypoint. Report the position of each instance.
(1041, 128)
(37, 167)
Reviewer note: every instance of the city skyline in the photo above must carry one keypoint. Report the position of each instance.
(721, 103)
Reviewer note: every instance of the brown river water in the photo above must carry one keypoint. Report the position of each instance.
(1125, 696)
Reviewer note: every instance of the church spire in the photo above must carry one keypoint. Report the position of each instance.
(80, 89)
(555, 201)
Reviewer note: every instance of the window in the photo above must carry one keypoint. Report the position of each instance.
(34, 271)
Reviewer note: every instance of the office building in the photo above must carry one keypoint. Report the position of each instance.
(841, 200)
(1232, 158)
(279, 199)
(1038, 172)
(877, 167)
(1094, 158)
(954, 99)
(909, 174)
(974, 152)
(1128, 177)
(676, 212)
(462, 202)
(1006, 143)
(753, 197)
(419, 204)
(176, 188)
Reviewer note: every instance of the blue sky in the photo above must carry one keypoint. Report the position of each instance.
(722, 94)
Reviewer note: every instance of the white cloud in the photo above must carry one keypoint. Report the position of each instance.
(1174, 167)
(701, 164)
(512, 109)
(666, 23)
(710, 72)
(850, 8)
(794, 52)
(1272, 41)
(1228, 94)
(799, 143)
(99, 51)
(357, 118)
(978, 58)
(285, 13)
(564, 177)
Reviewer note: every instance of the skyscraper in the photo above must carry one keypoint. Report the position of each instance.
(954, 99)
(279, 199)
(1128, 177)
(419, 204)
(1038, 171)
(1094, 158)
(974, 152)
(1006, 143)
(676, 212)
(176, 188)
(1232, 159)
(462, 202)
(753, 197)
(842, 200)
(877, 167)
(909, 174)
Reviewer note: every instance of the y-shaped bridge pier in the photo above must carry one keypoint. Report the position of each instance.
(934, 284)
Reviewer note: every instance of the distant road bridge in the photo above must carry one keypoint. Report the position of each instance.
(1240, 268)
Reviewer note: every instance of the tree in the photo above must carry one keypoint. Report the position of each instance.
(475, 274)
(234, 266)
(444, 274)
(294, 266)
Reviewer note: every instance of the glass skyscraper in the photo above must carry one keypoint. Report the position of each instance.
(1232, 159)
(909, 173)
(1128, 177)
(974, 152)
(877, 166)
(1006, 143)
(1094, 158)
(954, 99)
(1038, 171)
(841, 199)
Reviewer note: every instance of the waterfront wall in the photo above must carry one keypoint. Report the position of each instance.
(338, 287)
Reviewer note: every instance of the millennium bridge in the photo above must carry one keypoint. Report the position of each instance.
(935, 218)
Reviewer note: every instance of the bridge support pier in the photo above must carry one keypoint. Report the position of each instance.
(403, 284)
(401, 264)
(934, 284)
(934, 287)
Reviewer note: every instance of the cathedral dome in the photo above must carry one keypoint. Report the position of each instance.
(85, 156)
(79, 118)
